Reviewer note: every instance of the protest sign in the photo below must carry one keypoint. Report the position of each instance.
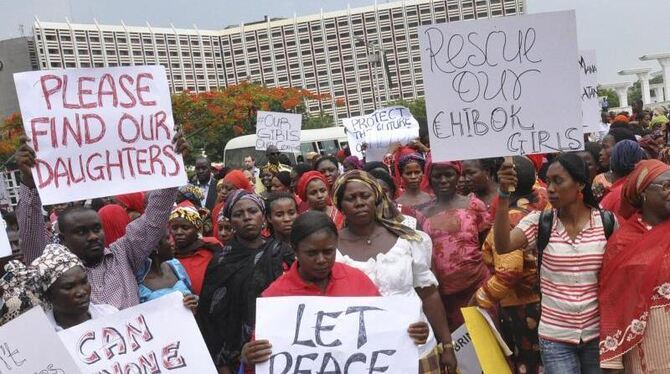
(488, 344)
(158, 336)
(99, 132)
(379, 130)
(465, 352)
(494, 86)
(5, 246)
(588, 93)
(279, 129)
(338, 334)
(29, 344)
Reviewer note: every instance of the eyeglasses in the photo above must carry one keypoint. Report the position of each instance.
(665, 186)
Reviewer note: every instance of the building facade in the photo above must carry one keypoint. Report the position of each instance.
(16, 55)
(336, 53)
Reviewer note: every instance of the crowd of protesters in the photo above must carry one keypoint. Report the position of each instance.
(569, 252)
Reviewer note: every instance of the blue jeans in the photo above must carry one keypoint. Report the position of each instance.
(566, 358)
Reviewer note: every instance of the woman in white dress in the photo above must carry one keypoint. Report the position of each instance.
(395, 257)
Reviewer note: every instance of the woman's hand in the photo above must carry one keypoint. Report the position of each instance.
(191, 302)
(418, 331)
(507, 176)
(179, 142)
(448, 361)
(256, 352)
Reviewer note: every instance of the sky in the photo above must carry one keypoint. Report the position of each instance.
(619, 30)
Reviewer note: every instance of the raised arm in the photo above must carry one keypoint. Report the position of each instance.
(32, 229)
(143, 234)
(506, 241)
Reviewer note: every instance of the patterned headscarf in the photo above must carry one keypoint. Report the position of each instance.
(272, 168)
(237, 196)
(52, 264)
(425, 182)
(638, 180)
(192, 192)
(305, 179)
(237, 179)
(19, 291)
(354, 161)
(386, 213)
(190, 214)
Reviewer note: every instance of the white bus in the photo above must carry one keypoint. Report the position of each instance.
(327, 140)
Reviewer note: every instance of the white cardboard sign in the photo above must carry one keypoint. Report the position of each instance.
(338, 334)
(588, 94)
(279, 129)
(379, 130)
(29, 344)
(493, 86)
(468, 363)
(5, 246)
(99, 132)
(158, 336)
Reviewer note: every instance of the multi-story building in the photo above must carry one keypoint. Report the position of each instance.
(336, 53)
(16, 55)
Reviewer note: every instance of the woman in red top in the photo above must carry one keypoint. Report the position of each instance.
(192, 250)
(313, 188)
(315, 273)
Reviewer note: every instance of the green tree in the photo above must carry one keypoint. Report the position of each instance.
(612, 98)
(319, 121)
(634, 93)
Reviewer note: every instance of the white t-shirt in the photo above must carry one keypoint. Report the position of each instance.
(96, 311)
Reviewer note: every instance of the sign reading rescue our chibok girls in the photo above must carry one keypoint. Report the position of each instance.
(338, 334)
(279, 129)
(29, 344)
(502, 86)
(99, 132)
(159, 336)
(588, 90)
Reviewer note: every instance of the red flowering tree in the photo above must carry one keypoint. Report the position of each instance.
(210, 119)
(11, 129)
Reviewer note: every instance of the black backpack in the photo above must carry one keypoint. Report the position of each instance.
(547, 222)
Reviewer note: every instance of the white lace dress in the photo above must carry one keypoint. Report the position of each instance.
(399, 271)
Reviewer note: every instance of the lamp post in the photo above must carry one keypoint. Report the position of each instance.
(376, 59)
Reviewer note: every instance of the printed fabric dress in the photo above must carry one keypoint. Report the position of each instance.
(457, 255)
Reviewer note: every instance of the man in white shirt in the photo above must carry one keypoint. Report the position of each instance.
(604, 127)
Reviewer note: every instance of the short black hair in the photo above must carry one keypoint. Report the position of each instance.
(67, 212)
(203, 158)
(275, 196)
(284, 177)
(330, 158)
(302, 168)
(308, 223)
(371, 165)
(386, 178)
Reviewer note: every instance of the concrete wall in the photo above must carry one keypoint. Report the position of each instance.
(15, 56)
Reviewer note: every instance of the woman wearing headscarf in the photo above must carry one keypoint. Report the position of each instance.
(227, 311)
(514, 285)
(603, 181)
(191, 194)
(635, 278)
(455, 223)
(574, 243)
(395, 257)
(267, 173)
(281, 182)
(134, 203)
(192, 250)
(352, 163)
(233, 180)
(410, 170)
(313, 190)
(114, 218)
(56, 280)
(625, 155)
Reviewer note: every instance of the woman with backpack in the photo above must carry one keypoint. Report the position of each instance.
(570, 242)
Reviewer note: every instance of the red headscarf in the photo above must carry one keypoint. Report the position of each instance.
(132, 201)
(239, 180)
(425, 182)
(621, 118)
(638, 180)
(397, 155)
(305, 179)
(114, 219)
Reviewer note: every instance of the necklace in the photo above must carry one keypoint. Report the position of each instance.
(369, 239)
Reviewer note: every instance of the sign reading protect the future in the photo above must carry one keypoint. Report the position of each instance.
(99, 132)
(502, 86)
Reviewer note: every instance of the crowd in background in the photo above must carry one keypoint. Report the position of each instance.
(569, 252)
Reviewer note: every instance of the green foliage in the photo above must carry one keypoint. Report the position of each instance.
(612, 98)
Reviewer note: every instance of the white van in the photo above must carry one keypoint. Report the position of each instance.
(327, 140)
